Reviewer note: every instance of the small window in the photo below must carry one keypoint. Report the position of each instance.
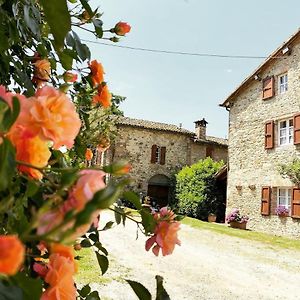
(282, 83)
(157, 154)
(284, 197)
(286, 132)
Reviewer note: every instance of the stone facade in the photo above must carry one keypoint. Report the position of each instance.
(136, 139)
(251, 166)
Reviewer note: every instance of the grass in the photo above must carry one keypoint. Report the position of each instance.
(89, 268)
(268, 239)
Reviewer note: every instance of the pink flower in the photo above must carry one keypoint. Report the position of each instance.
(41, 269)
(165, 233)
(89, 182)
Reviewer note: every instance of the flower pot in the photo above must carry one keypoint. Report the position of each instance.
(283, 215)
(212, 218)
(238, 225)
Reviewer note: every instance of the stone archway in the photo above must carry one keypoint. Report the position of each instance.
(158, 190)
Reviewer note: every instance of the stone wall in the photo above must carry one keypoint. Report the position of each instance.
(198, 151)
(135, 145)
(251, 166)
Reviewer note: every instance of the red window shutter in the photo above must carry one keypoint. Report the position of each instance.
(269, 135)
(265, 200)
(268, 87)
(153, 154)
(162, 155)
(296, 125)
(295, 205)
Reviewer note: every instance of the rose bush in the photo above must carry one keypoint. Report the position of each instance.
(52, 123)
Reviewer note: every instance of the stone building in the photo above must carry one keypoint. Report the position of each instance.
(264, 132)
(156, 151)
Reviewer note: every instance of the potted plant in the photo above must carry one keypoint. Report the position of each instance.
(282, 211)
(236, 220)
(212, 217)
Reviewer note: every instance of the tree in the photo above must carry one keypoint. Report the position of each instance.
(196, 190)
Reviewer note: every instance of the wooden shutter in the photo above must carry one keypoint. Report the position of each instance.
(296, 125)
(162, 155)
(153, 154)
(295, 205)
(268, 87)
(269, 135)
(265, 200)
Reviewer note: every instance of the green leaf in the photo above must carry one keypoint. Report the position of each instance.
(85, 243)
(66, 59)
(84, 291)
(32, 288)
(10, 292)
(140, 290)
(148, 221)
(118, 213)
(103, 262)
(87, 7)
(58, 18)
(133, 198)
(101, 248)
(7, 164)
(93, 296)
(98, 27)
(161, 293)
(108, 225)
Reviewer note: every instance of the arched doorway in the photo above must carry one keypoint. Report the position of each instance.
(158, 190)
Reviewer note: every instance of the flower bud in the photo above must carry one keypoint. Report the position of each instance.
(70, 77)
(122, 28)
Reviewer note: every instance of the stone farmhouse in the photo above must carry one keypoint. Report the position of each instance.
(156, 151)
(264, 132)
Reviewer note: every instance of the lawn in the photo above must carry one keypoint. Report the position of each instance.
(272, 240)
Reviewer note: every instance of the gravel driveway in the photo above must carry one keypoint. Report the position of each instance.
(208, 265)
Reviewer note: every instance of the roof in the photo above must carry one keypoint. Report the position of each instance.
(169, 128)
(277, 53)
(152, 125)
(213, 140)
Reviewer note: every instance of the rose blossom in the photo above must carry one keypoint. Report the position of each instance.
(97, 72)
(11, 254)
(103, 97)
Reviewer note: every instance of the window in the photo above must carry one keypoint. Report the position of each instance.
(158, 155)
(286, 132)
(284, 197)
(282, 83)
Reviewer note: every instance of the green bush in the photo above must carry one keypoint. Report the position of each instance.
(196, 189)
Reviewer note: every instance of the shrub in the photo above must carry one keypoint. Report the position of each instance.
(196, 189)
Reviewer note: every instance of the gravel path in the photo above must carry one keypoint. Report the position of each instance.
(208, 265)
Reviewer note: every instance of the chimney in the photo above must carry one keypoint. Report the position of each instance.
(200, 129)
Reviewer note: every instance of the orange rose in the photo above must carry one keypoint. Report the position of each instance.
(53, 116)
(11, 254)
(88, 154)
(70, 77)
(97, 72)
(122, 170)
(60, 280)
(122, 28)
(65, 251)
(30, 149)
(42, 69)
(103, 97)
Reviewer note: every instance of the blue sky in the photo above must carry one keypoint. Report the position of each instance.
(181, 89)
